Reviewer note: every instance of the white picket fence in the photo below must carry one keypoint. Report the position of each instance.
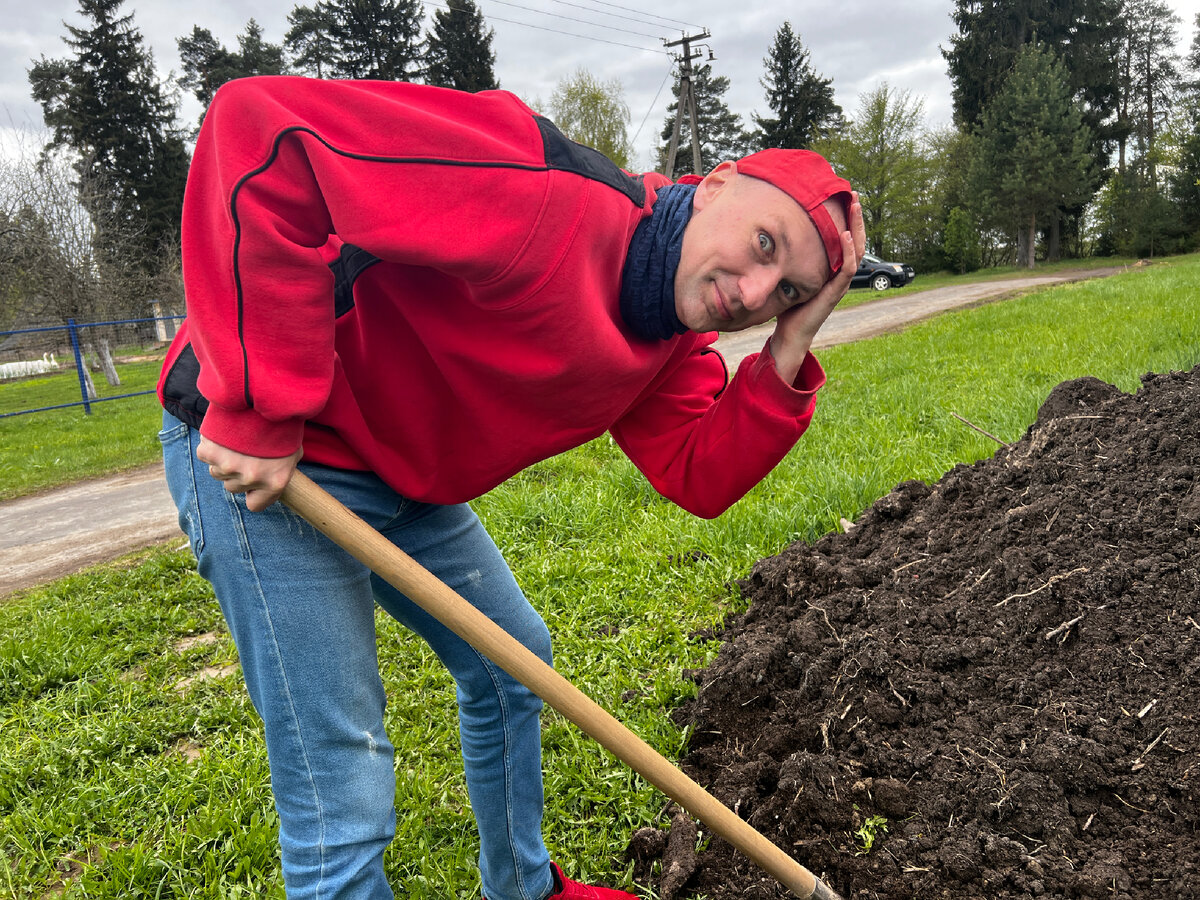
(25, 368)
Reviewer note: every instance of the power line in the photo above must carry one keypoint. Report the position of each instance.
(573, 19)
(616, 15)
(641, 13)
(585, 37)
(633, 140)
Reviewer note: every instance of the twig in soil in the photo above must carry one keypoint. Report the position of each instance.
(1064, 627)
(999, 771)
(821, 609)
(1088, 823)
(1149, 706)
(980, 430)
(911, 563)
(897, 694)
(1137, 763)
(1130, 805)
(1194, 625)
(964, 581)
(1053, 580)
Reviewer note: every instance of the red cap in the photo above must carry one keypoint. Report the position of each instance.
(808, 179)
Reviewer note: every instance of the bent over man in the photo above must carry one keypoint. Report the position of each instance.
(422, 292)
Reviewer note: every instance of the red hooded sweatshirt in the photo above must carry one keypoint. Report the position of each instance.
(425, 284)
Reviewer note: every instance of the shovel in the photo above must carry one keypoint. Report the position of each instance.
(400, 570)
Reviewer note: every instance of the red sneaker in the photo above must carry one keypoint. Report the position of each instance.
(566, 889)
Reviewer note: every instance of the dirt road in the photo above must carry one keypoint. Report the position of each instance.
(894, 313)
(56, 533)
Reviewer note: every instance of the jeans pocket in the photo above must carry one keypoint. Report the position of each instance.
(179, 464)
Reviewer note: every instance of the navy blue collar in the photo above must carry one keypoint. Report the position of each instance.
(648, 282)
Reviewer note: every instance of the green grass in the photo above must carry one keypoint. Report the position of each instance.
(47, 449)
(98, 798)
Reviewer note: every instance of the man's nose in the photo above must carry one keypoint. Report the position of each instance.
(757, 287)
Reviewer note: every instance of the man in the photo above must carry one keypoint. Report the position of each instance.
(424, 292)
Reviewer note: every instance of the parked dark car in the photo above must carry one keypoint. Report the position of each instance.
(879, 275)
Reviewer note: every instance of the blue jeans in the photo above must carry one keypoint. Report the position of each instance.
(301, 611)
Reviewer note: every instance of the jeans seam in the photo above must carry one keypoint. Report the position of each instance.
(287, 691)
(493, 675)
(189, 510)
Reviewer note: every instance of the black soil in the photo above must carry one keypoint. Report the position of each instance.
(996, 676)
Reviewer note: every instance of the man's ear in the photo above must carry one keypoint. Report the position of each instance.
(713, 183)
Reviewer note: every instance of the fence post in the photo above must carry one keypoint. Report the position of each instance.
(87, 407)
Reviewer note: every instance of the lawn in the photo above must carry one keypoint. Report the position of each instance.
(44, 449)
(120, 777)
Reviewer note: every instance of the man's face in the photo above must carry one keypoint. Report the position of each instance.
(749, 253)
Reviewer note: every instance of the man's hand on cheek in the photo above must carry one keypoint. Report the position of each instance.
(796, 328)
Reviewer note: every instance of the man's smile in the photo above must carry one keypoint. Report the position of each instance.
(722, 307)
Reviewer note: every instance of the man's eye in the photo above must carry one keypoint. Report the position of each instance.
(789, 291)
(765, 243)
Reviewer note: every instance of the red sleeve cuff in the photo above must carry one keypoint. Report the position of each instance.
(798, 396)
(247, 432)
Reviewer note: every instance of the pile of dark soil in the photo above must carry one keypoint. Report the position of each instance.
(988, 688)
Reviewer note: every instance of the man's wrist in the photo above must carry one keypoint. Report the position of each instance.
(789, 355)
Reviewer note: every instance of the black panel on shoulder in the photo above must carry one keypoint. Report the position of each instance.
(568, 156)
(351, 263)
(181, 397)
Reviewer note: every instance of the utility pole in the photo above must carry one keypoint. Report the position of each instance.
(687, 98)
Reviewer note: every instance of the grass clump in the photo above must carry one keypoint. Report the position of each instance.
(115, 782)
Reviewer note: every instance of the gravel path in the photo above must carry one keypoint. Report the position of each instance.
(58, 532)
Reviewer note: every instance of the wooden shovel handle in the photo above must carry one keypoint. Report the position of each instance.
(401, 571)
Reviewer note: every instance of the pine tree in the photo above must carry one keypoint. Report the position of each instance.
(722, 136)
(1033, 150)
(1083, 34)
(357, 38)
(1148, 76)
(1185, 182)
(801, 100)
(1193, 60)
(309, 40)
(105, 103)
(256, 56)
(207, 64)
(593, 113)
(458, 49)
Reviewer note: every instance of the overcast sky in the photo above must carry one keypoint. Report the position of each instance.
(857, 43)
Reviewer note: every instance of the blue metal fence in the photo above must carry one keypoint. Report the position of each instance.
(123, 354)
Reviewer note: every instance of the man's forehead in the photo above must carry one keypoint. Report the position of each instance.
(808, 180)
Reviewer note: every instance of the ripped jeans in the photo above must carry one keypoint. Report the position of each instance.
(301, 612)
